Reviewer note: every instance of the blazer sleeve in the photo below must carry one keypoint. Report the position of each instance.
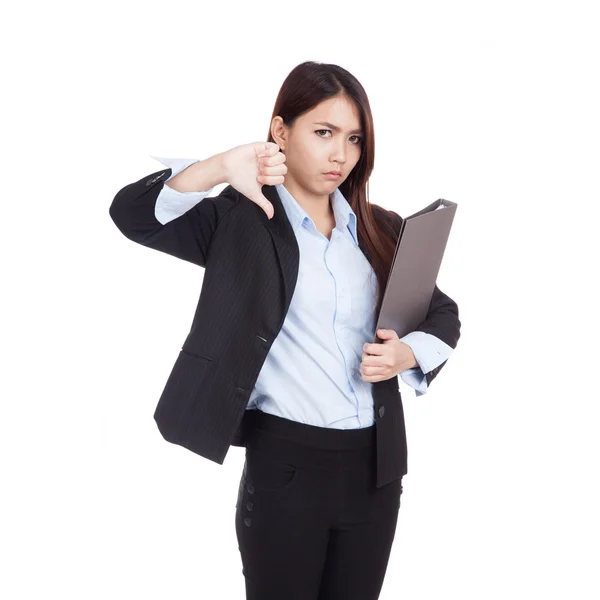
(188, 237)
(441, 321)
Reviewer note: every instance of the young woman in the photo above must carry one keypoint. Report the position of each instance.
(280, 350)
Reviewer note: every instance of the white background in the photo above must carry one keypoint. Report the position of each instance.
(491, 105)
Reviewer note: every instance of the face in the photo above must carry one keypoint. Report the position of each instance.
(312, 146)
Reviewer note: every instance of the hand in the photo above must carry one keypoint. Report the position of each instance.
(247, 171)
(386, 360)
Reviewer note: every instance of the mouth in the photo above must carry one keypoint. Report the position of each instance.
(334, 173)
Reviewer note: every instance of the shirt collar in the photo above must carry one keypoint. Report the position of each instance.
(345, 218)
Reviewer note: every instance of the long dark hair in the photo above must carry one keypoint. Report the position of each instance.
(305, 87)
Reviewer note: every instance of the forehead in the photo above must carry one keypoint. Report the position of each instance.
(337, 111)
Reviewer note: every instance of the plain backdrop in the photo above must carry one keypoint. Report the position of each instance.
(490, 105)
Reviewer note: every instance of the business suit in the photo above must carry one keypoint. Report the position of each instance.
(205, 396)
(318, 499)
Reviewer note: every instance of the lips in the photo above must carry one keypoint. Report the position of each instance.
(333, 173)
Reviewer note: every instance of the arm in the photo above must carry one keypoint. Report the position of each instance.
(177, 197)
(441, 321)
(178, 220)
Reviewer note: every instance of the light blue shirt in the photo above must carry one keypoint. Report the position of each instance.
(312, 372)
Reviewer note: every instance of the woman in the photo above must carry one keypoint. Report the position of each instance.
(313, 521)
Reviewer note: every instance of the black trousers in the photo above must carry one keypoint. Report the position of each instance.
(310, 522)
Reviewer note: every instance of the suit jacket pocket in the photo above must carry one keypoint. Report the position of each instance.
(180, 393)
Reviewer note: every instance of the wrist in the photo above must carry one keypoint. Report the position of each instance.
(210, 172)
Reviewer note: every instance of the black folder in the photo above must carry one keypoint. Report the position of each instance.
(415, 267)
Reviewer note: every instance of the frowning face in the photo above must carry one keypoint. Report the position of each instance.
(326, 138)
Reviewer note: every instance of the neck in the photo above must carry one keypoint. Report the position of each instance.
(318, 207)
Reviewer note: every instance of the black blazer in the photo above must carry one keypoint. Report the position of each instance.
(251, 268)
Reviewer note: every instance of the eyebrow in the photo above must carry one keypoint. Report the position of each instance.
(335, 127)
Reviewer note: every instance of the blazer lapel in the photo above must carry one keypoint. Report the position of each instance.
(284, 239)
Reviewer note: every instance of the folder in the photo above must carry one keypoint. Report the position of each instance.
(415, 267)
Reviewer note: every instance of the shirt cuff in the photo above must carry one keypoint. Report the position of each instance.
(416, 379)
(429, 351)
(170, 203)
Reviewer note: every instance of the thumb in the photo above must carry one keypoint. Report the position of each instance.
(385, 333)
(260, 199)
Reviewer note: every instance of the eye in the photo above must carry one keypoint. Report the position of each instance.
(359, 139)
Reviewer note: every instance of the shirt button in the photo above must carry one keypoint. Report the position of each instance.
(250, 488)
(248, 521)
(381, 411)
(249, 505)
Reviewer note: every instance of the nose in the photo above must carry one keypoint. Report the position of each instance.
(338, 160)
(339, 154)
